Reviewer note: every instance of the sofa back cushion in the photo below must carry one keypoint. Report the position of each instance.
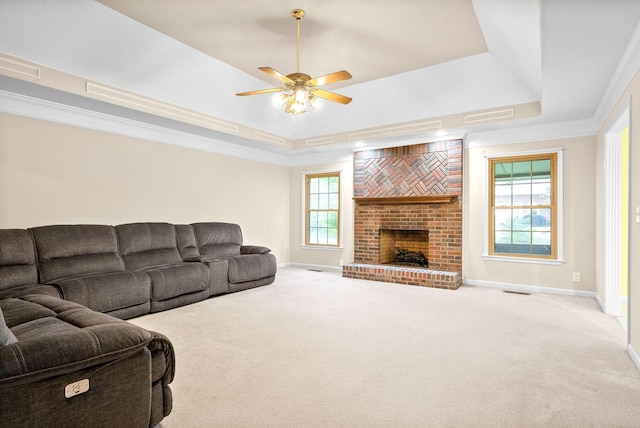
(220, 240)
(73, 250)
(186, 242)
(145, 245)
(17, 259)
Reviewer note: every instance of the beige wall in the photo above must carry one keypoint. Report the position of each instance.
(52, 173)
(632, 93)
(324, 257)
(59, 174)
(579, 219)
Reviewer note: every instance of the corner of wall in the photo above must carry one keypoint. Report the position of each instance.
(634, 356)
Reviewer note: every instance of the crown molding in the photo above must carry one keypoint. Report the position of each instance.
(624, 73)
(524, 133)
(35, 108)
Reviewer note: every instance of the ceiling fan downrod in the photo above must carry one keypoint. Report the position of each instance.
(298, 14)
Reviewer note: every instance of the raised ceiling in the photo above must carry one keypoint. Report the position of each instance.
(372, 40)
(418, 66)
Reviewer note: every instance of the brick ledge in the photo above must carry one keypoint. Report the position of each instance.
(404, 275)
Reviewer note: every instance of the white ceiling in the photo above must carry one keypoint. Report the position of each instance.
(412, 60)
(372, 40)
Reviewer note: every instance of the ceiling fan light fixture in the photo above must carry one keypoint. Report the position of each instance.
(315, 102)
(300, 93)
(300, 88)
(297, 108)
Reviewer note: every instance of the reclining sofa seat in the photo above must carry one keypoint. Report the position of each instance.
(126, 369)
(248, 265)
(18, 270)
(152, 248)
(83, 262)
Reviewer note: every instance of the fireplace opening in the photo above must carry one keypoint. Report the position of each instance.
(404, 247)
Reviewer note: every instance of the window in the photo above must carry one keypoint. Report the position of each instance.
(322, 211)
(523, 210)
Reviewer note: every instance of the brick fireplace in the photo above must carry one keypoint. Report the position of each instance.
(409, 197)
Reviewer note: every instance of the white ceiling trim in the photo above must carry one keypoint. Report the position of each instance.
(626, 70)
(35, 108)
(137, 102)
(20, 67)
(22, 105)
(532, 132)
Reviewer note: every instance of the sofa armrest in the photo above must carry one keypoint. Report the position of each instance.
(254, 249)
(162, 348)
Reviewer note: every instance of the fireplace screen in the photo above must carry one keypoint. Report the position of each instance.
(404, 247)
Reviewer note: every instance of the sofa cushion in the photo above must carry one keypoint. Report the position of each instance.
(219, 240)
(21, 311)
(175, 280)
(72, 250)
(84, 343)
(148, 244)
(22, 290)
(109, 291)
(6, 335)
(17, 259)
(251, 267)
(186, 241)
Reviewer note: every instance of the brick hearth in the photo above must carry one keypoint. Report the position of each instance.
(409, 188)
(404, 275)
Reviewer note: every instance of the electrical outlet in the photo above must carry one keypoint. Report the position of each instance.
(341, 262)
(576, 277)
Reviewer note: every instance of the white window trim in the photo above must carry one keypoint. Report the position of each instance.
(559, 260)
(303, 186)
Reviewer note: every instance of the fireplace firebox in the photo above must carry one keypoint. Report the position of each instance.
(404, 247)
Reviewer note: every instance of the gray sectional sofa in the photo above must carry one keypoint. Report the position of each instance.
(66, 355)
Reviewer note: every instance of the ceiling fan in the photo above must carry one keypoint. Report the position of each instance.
(303, 89)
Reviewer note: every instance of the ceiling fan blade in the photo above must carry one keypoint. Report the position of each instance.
(330, 78)
(320, 93)
(261, 91)
(275, 73)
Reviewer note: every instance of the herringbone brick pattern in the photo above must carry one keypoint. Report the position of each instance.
(416, 175)
(420, 170)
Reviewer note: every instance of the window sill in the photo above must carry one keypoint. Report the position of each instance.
(321, 248)
(529, 260)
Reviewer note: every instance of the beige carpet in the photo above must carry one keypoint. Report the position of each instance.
(317, 350)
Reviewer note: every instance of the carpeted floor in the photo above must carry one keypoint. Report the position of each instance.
(317, 350)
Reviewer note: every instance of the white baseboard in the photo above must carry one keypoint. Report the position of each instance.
(634, 356)
(529, 288)
(313, 267)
